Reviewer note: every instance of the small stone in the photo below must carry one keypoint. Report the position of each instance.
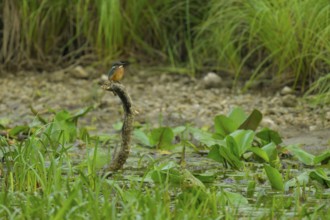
(313, 128)
(286, 91)
(104, 77)
(269, 123)
(289, 101)
(212, 80)
(79, 72)
(327, 116)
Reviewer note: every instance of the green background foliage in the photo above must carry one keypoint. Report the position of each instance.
(257, 38)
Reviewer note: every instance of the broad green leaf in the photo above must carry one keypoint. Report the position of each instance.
(232, 146)
(206, 177)
(274, 177)
(117, 126)
(222, 154)
(179, 129)
(214, 154)
(269, 135)
(302, 155)
(18, 129)
(251, 189)
(190, 181)
(101, 157)
(243, 139)
(230, 158)
(260, 153)
(300, 180)
(235, 199)
(167, 173)
(320, 176)
(162, 138)
(62, 115)
(238, 116)
(141, 137)
(205, 137)
(62, 128)
(4, 122)
(323, 158)
(253, 121)
(81, 113)
(272, 154)
(224, 125)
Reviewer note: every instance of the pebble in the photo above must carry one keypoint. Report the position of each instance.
(212, 80)
(313, 128)
(286, 91)
(78, 72)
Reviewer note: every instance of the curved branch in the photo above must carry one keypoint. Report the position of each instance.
(120, 156)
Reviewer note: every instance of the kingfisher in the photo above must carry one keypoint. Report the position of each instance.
(116, 72)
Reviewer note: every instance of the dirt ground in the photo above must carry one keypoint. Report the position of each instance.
(160, 99)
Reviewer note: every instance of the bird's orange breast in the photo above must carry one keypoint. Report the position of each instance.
(118, 75)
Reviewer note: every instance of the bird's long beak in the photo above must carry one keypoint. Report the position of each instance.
(124, 63)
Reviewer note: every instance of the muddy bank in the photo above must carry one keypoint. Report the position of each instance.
(160, 100)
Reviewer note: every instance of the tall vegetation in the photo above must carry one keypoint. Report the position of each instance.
(286, 39)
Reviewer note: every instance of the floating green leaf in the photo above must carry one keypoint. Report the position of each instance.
(302, 155)
(320, 176)
(62, 128)
(235, 199)
(162, 138)
(205, 137)
(18, 129)
(166, 172)
(179, 129)
(206, 177)
(324, 158)
(141, 137)
(80, 113)
(251, 189)
(300, 180)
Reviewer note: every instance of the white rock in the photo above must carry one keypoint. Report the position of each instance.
(79, 72)
(286, 91)
(313, 128)
(212, 80)
(269, 123)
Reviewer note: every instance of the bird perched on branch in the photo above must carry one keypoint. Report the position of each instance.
(117, 71)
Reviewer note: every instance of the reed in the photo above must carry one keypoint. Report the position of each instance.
(287, 40)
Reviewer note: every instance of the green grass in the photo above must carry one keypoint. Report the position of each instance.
(47, 186)
(252, 39)
(47, 176)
